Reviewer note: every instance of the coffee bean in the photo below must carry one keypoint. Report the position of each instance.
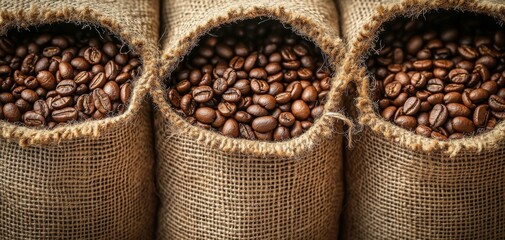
(457, 109)
(407, 122)
(112, 89)
(126, 90)
(102, 101)
(46, 80)
(259, 86)
(438, 115)
(481, 115)
(478, 95)
(452, 97)
(29, 95)
(300, 110)
(66, 88)
(203, 94)
(40, 107)
(232, 95)
(32, 118)
(412, 106)
(423, 130)
(64, 115)
(496, 103)
(435, 85)
(463, 124)
(247, 132)
(459, 75)
(11, 112)
(93, 55)
(205, 115)
(266, 101)
(264, 124)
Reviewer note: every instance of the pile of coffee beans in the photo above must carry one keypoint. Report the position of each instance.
(59, 74)
(443, 75)
(254, 80)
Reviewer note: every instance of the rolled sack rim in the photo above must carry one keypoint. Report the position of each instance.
(323, 128)
(362, 48)
(84, 16)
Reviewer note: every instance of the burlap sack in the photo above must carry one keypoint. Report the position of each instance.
(404, 186)
(91, 180)
(215, 187)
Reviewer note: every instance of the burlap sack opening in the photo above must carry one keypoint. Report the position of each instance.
(405, 186)
(23, 14)
(215, 187)
(90, 180)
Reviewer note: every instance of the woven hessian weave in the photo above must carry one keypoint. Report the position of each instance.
(215, 187)
(404, 186)
(91, 180)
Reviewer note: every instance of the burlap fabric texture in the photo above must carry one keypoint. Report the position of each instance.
(404, 186)
(215, 187)
(91, 180)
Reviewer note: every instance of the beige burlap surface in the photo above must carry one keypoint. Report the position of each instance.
(405, 186)
(215, 187)
(91, 180)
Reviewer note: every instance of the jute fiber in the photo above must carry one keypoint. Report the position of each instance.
(91, 180)
(215, 187)
(405, 186)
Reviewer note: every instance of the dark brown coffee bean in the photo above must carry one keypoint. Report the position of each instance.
(34, 119)
(478, 95)
(22, 105)
(231, 95)
(414, 44)
(205, 115)
(438, 115)
(407, 122)
(418, 80)
(457, 109)
(126, 90)
(454, 87)
(66, 88)
(309, 94)
(92, 55)
(82, 77)
(435, 85)
(112, 89)
(481, 115)
(490, 86)
(400, 100)
(389, 112)
(496, 103)
(66, 71)
(61, 102)
(111, 70)
(422, 65)
(423, 118)
(227, 109)
(102, 101)
(498, 115)
(452, 97)
(46, 80)
(41, 108)
(459, 75)
(412, 106)
(6, 97)
(392, 90)
(300, 110)
(202, 94)
(98, 81)
(264, 124)
(468, 52)
(435, 99)
(188, 104)
(259, 86)
(281, 133)
(11, 112)
(463, 124)
(423, 130)
(29, 95)
(243, 117)
(64, 115)
(465, 97)
(247, 132)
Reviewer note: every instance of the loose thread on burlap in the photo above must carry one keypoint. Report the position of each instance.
(346, 121)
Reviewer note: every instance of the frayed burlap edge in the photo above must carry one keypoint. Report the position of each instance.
(85, 17)
(361, 49)
(322, 129)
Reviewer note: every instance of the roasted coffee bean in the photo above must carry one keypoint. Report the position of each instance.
(227, 109)
(412, 106)
(481, 115)
(205, 115)
(66, 88)
(61, 102)
(407, 122)
(264, 124)
(496, 103)
(32, 118)
(112, 89)
(29, 95)
(438, 115)
(246, 132)
(126, 90)
(46, 80)
(435, 85)
(231, 95)
(423, 130)
(40, 107)
(64, 115)
(478, 95)
(11, 112)
(102, 101)
(393, 89)
(463, 124)
(459, 75)
(202, 94)
(457, 109)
